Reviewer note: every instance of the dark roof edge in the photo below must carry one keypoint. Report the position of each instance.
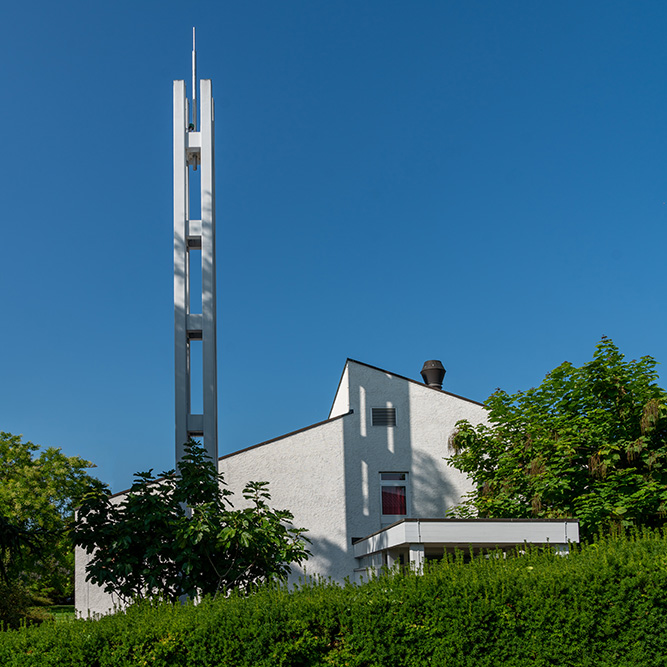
(420, 384)
(286, 435)
(259, 444)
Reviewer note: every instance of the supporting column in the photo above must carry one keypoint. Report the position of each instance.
(417, 557)
(392, 559)
(181, 269)
(210, 370)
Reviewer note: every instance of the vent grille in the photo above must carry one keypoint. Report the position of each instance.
(383, 416)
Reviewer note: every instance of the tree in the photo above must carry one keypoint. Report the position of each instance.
(589, 443)
(38, 493)
(179, 535)
(17, 543)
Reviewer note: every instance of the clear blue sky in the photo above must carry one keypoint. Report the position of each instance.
(478, 182)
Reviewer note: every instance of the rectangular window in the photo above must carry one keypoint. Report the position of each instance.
(393, 500)
(394, 487)
(383, 416)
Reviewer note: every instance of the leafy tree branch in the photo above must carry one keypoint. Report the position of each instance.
(589, 442)
(179, 535)
(38, 492)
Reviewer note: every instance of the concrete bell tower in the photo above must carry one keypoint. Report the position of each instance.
(194, 149)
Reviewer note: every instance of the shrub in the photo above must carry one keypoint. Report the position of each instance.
(19, 606)
(605, 604)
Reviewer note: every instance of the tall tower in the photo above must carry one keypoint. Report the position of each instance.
(193, 149)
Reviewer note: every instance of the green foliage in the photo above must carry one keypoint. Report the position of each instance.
(19, 607)
(589, 442)
(38, 493)
(604, 605)
(179, 535)
(61, 613)
(17, 543)
(20, 548)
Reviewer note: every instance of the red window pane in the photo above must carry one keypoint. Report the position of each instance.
(393, 500)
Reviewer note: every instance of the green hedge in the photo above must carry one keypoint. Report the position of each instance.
(605, 604)
(19, 606)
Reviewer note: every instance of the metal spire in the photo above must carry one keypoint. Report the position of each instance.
(194, 83)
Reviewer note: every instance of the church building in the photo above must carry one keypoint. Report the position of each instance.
(370, 483)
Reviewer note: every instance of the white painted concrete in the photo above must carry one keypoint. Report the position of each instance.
(416, 554)
(209, 317)
(341, 404)
(463, 533)
(425, 418)
(181, 268)
(194, 149)
(90, 600)
(305, 471)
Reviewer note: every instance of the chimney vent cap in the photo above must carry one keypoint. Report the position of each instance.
(433, 373)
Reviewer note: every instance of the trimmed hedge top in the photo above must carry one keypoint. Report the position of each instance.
(604, 604)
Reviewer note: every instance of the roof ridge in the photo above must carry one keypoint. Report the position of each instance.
(421, 384)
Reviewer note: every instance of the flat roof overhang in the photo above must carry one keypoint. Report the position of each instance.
(464, 533)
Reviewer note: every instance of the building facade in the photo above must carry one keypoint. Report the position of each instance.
(370, 483)
(377, 459)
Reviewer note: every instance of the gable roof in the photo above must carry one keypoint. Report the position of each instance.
(285, 435)
(400, 377)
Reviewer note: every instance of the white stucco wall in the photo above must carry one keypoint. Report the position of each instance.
(341, 403)
(89, 599)
(425, 419)
(305, 475)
